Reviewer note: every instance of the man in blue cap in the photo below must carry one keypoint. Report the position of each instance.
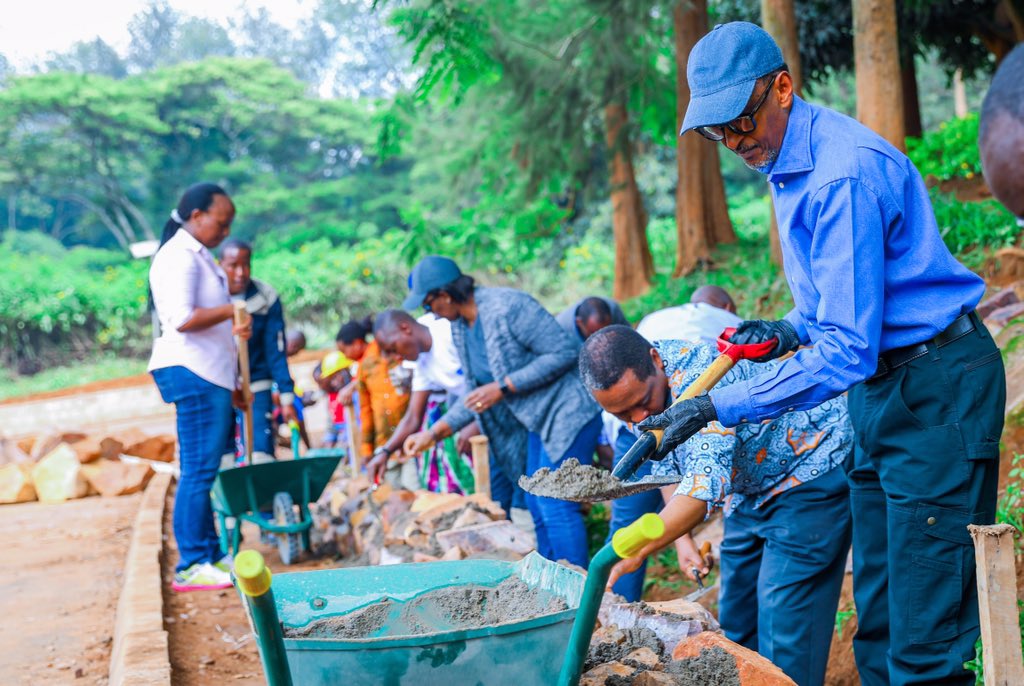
(890, 315)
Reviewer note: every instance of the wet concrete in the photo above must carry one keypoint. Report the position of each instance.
(585, 484)
(444, 609)
(713, 666)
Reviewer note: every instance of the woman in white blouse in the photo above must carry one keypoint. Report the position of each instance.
(195, 366)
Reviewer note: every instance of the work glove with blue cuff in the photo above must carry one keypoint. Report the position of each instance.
(680, 421)
(759, 331)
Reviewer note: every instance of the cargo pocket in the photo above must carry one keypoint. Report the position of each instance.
(936, 573)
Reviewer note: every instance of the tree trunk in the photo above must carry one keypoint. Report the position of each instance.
(877, 61)
(959, 94)
(634, 266)
(778, 18)
(702, 216)
(911, 101)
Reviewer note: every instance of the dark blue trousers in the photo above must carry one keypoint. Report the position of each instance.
(561, 532)
(627, 510)
(205, 422)
(262, 427)
(782, 571)
(925, 466)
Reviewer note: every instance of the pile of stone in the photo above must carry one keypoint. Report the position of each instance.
(63, 466)
(389, 526)
(673, 643)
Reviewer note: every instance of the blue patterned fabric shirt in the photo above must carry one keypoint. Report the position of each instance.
(725, 466)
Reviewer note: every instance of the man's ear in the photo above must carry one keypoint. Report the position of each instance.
(656, 359)
(784, 90)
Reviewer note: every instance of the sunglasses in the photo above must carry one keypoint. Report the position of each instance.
(742, 124)
(429, 298)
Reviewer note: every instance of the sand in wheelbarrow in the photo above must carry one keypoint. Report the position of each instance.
(443, 609)
(585, 484)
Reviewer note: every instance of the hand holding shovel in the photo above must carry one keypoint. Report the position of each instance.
(693, 416)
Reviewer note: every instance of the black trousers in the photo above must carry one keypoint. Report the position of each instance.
(925, 465)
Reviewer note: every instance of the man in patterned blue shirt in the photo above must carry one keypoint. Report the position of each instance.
(889, 315)
(781, 484)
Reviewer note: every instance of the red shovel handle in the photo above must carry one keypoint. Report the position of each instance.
(748, 351)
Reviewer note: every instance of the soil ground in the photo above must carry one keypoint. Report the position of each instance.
(60, 578)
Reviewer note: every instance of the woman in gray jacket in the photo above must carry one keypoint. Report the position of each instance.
(520, 364)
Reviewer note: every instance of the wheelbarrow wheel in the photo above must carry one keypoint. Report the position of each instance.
(288, 545)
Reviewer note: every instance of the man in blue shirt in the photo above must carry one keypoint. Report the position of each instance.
(890, 315)
(780, 483)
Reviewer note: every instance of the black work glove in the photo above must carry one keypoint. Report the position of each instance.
(759, 331)
(680, 421)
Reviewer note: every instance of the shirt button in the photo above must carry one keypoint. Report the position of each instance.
(385, 396)
(743, 420)
(790, 409)
(781, 185)
(931, 520)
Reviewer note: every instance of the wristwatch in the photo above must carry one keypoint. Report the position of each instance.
(504, 387)
(381, 450)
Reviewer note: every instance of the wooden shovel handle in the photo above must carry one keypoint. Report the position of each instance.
(241, 317)
(702, 384)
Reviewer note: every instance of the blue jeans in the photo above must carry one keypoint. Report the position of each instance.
(504, 490)
(561, 533)
(782, 570)
(205, 421)
(262, 433)
(627, 510)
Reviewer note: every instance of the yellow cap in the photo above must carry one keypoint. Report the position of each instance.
(252, 573)
(629, 541)
(333, 363)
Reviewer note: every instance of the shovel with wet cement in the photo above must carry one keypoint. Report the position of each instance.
(584, 484)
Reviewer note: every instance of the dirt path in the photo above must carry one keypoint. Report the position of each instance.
(60, 578)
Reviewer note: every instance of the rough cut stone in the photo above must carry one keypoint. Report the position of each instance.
(1007, 296)
(672, 620)
(487, 538)
(113, 477)
(599, 675)
(91, 448)
(1002, 316)
(753, 669)
(16, 483)
(642, 657)
(58, 476)
(159, 448)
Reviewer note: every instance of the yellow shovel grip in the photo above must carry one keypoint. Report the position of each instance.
(629, 541)
(252, 573)
(702, 384)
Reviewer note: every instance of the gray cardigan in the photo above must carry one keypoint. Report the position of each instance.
(525, 343)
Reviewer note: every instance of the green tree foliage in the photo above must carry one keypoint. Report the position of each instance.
(91, 155)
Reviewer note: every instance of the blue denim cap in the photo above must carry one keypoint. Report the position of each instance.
(429, 274)
(722, 69)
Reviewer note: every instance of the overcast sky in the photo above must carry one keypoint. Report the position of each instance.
(32, 29)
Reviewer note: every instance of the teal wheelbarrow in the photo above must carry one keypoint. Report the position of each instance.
(546, 647)
(285, 488)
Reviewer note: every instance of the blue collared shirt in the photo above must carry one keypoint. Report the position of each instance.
(866, 265)
(724, 466)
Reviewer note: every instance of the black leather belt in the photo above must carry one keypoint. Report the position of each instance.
(897, 357)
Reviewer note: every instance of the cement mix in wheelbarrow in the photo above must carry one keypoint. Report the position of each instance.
(585, 484)
(444, 609)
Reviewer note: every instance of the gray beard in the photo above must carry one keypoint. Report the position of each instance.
(766, 166)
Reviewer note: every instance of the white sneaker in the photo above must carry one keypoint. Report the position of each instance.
(202, 576)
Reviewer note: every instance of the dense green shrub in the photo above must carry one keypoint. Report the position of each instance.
(949, 152)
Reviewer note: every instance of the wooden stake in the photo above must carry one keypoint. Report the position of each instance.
(481, 464)
(354, 459)
(997, 602)
(241, 316)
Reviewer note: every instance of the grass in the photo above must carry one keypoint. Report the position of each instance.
(13, 385)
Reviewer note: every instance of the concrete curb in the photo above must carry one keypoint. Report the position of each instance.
(140, 653)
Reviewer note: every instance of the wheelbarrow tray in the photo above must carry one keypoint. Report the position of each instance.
(243, 492)
(508, 654)
(249, 489)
